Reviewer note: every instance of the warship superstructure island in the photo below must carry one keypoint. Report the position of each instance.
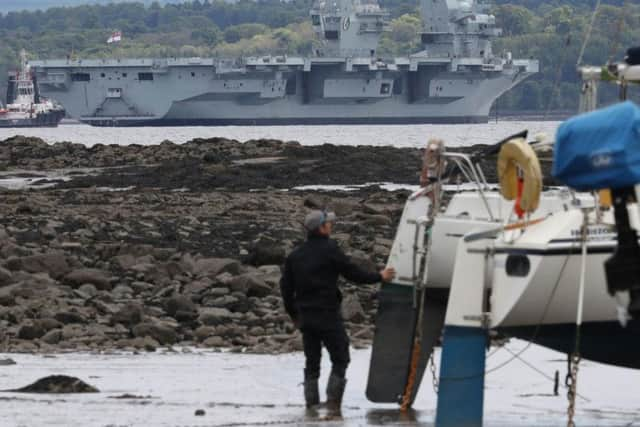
(455, 78)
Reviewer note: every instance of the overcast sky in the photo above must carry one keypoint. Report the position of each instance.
(9, 5)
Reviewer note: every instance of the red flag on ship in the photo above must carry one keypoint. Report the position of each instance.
(116, 37)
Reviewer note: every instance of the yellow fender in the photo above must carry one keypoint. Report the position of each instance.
(515, 154)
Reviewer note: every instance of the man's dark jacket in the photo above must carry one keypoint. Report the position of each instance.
(310, 279)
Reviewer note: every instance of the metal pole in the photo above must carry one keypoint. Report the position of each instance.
(583, 269)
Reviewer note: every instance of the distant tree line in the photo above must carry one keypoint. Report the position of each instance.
(549, 30)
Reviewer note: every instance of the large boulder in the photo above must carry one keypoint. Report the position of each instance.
(251, 284)
(124, 262)
(53, 263)
(271, 274)
(52, 337)
(6, 277)
(181, 308)
(362, 260)
(204, 332)
(57, 384)
(7, 294)
(129, 315)
(30, 331)
(376, 220)
(176, 303)
(215, 316)
(352, 310)
(48, 323)
(98, 278)
(149, 271)
(67, 317)
(214, 341)
(211, 267)
(161, 332)
(266, 251)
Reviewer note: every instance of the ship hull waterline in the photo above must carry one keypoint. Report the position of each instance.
(307, 121)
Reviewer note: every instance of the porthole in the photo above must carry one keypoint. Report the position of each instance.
(518, 265)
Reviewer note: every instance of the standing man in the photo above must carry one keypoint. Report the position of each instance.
(311, 297)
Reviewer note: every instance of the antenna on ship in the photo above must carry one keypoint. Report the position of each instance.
(71, 56)
(24, 65)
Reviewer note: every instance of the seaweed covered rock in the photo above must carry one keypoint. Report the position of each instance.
(57, 384)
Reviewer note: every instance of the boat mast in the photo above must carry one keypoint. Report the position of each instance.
(25, 91)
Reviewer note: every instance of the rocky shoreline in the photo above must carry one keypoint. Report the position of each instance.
(187, 251)
(140, 247)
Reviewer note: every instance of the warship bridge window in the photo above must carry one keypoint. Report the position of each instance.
(80, 77)
(145, 76)
(385, 88)
(315, 19)
(331, 35)
(518, 265)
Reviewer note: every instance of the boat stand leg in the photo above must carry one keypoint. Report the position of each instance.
(464, 342)
(461, 386)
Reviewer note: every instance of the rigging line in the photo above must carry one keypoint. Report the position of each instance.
(535, 334)
(538, 370)
(618, 34)
(497, 349)
(558, 77)
(588, 34)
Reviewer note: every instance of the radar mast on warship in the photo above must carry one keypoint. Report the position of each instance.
(455, 78)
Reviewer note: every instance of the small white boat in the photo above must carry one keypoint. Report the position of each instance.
(416, 302)
(25, 107)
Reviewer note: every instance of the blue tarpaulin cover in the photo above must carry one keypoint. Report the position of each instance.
(600, 149)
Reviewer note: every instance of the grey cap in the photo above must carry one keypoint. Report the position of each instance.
(315, 219)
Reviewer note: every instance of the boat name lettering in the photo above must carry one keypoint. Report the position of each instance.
(592, 231)
(601, 160)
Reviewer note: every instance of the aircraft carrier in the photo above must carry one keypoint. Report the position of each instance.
(454, 78)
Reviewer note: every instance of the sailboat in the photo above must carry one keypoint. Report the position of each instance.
(473, 266)
(570, 280)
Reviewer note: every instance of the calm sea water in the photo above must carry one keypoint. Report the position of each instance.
(252, 390)
(396, 135)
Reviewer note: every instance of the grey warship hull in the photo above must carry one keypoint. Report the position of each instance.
(455, 79)
(311, 121)
(177, 93)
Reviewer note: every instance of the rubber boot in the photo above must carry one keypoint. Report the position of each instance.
(311, 393)
(335, 391)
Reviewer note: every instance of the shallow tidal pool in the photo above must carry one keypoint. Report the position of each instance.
(167, 387)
